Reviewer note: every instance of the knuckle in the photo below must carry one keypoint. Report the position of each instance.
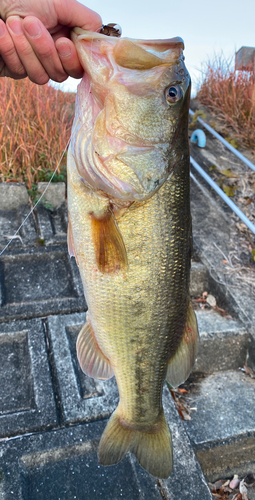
(39, 79)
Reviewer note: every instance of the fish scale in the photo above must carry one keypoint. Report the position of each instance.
(133, 249)
(157, 243)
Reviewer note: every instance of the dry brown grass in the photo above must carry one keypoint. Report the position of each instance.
(35, 125)
(231, 96)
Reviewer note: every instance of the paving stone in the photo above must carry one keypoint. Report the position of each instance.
(224, 343)
(198, 279)
(26, 391)
(63, 464)
(45, 229)
(37, 282)
(83, 399)
(59, 222)
(12, 195)
(10, 221)
(80, 397)
(186, 480)
(222, 430)
(55, 194)
(211, 236)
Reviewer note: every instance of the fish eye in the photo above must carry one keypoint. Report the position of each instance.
(173, 93)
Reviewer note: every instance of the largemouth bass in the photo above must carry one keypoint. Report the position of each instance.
(130, 231)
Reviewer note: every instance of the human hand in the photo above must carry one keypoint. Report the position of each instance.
(35, 42)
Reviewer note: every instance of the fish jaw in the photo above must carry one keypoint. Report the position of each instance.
(124, 127)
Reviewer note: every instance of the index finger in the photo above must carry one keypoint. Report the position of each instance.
(72, 13)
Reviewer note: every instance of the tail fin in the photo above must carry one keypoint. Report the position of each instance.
(152, 448)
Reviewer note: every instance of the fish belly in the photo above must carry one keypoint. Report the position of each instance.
(138, 315)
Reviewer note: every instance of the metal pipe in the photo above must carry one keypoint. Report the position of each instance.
(218, 136)
(221, 193)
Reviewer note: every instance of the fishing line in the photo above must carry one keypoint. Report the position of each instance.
(38, 201)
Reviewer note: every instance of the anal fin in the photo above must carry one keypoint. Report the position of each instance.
(92, 360)
(181, 363)
(108, 243)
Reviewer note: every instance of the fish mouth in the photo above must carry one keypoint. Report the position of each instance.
(115, 154)
(133, 53)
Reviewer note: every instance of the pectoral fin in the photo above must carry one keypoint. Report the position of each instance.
(92, 361)
(181, 364)
(108, 243)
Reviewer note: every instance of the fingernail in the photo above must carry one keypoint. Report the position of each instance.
(63, 49)
(15, 26)
(33, 28)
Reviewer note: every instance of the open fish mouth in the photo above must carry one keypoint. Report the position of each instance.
(135, 53)
(124, 87)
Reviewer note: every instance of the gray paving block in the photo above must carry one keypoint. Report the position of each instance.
(81, 398)
(10, 221)
(224, 343)
(198, 279)
(26, 393)
(55, 194)
(212, 236)
(187, 479)
(222, 430)
(12, 195)
(52, 224)
(39, 281)
(59, 223)
(63, 465)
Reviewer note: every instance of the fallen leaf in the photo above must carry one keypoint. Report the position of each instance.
(210, 299)
(183, 391)
(229, 190)
(249, 371)
(226, 483)
(234, 483)
(248, 200)
(243, 490)
(232, 141)
(228, 173)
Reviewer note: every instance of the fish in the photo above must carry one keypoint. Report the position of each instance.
(130, 232)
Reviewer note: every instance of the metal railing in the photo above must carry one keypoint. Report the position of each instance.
(218, 136)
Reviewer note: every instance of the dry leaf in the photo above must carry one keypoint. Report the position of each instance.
(243, 490)
(249, 371)
(229, 190)
(210, 299)
(228, 173)
(234, 483)
(248, 200)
